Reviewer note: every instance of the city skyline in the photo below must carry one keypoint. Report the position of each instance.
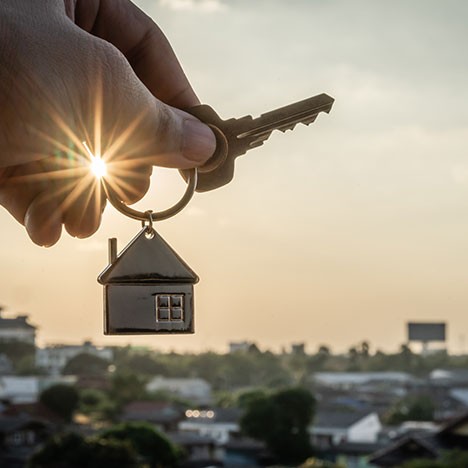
(329, 234)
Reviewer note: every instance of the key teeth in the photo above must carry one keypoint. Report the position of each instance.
(309, 121)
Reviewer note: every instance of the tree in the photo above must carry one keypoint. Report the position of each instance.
(74, 451)
(127, 387)
(152, 446)
(17, 351)
(281, 421)
(412, 408)
(449, 459)
(61, 399)
(143, 362)
(86, 364)
(96, 404)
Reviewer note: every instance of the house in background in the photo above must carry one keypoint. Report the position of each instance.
(54, 358)
(26, 389)
(197, 390)
(16, 329)
(241, 346)
(369, 380)
(165, 416)
(346, 437)
(331, 428)
(221, 424)
(429, 445)
(20, 436)
(6, 366)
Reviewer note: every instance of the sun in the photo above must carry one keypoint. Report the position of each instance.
(96, 164)
(98, 167)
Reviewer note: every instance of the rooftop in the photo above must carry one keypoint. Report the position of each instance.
(21, 321)
(338, 419)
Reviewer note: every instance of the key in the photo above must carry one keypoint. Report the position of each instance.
(234, 137)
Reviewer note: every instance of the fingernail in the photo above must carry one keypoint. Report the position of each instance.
(199, 141)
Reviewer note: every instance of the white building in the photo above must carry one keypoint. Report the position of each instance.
(54, 358)
(331, 428)
(196, 390)
(26, 389)
(348, 380)
(17, 329)
(219, 424)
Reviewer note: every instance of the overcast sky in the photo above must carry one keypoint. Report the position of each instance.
(333, 233)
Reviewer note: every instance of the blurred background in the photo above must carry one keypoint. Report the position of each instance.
(334, 233)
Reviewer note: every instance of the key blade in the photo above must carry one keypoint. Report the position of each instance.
(287, 117)
(234, 137)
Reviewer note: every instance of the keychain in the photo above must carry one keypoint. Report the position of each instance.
(148, 288)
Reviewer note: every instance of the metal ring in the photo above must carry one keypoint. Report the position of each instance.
(119, 205)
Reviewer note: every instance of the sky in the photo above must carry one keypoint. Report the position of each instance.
(331, 234)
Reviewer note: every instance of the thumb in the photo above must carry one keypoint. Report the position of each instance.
(143, 126)
(183, 141)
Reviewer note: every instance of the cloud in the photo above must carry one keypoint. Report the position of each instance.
(208, 6)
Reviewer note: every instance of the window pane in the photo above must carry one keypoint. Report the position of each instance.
(176, 301)
(176, 313)
(163, 301)
(163, 313)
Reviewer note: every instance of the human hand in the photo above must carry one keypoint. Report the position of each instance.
(98, 71)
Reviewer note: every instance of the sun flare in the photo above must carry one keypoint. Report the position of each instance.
(97, 165)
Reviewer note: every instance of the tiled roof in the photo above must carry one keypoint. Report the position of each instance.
(338, 419)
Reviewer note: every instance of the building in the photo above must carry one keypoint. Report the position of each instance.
(221, 424)
(429, 445)
(54, 358)
(26, 389)
(17, 329)
(165, 416)
(20, 436)
(331, 428)
(350, 380)
(241, 346)
(197, 391)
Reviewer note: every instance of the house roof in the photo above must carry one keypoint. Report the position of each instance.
(423, 445)
(13, 423)
(146, 260)
(407, 448)
(17, 322)
(37, 411)
(338, 419)
(453, 427)
(158, 412)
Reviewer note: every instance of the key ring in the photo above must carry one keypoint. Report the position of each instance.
(149, 215)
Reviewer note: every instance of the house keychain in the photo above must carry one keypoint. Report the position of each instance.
(148, 288)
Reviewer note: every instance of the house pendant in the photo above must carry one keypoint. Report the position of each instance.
(148, 288)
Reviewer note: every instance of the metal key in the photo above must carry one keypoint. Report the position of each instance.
(235, 137)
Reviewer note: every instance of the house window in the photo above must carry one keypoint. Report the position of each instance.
(169, 307)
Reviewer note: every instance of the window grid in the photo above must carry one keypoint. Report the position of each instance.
(169, 307)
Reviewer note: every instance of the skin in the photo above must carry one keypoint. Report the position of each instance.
(98, 71)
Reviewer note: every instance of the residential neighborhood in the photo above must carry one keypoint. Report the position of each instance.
(361, 409)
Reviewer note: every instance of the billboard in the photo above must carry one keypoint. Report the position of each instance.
(425, 331)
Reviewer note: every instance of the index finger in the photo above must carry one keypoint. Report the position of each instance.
(137, 36)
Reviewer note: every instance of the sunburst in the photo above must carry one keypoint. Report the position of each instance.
(83, 159)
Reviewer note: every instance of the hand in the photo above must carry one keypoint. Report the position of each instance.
(94, 71)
